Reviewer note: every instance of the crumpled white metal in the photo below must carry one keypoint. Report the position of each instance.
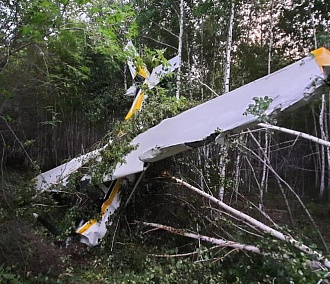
(289, 87)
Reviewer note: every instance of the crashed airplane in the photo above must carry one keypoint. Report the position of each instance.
(288, 88)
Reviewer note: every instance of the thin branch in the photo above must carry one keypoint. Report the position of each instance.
(255, 222)
(208, 87)
(220, 243)
(182, 254)
(295, 194)
(265, 161)
(165, 29)
(160, 42)
(297, 133)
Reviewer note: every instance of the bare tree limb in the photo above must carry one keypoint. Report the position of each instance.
(260, 225)
(220, 243)
(160, 42)
(165, 29)
(296, 133)
(294, 193)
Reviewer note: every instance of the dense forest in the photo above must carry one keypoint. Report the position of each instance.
(63, 76)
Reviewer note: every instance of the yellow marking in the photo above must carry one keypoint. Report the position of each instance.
(137, 104)
(104, 207)
(86, 226)
(114, 192)
(322, 57)
(143, 72)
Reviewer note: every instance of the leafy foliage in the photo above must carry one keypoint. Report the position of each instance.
(259, 107)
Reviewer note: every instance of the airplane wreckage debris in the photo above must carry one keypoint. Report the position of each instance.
(289, 88)
(92, 231)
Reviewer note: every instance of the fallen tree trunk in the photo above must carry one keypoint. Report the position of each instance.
(296, 133)
(218, 242)
(258, 224)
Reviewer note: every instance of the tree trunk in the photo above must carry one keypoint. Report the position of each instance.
(270, 46)
(218, 242)
(321, 120)
(228, 48)
(258, 224)
(178, 78)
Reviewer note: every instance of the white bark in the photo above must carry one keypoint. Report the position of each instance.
(321, 119)
(229, 47)
(296, 133)
(317, 160)
(125, 79)
(178, 78)
(237, 174)
(270, 46)
(218, 242)
(311, 4)
(264, 179)
(258, 224)
(222, 166)
(293, 192)
(266, 162)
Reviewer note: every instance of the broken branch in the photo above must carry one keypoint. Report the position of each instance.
(260, 225)
(218, 242)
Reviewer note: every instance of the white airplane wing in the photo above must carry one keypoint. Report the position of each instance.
(60, 174)
(131, 91)
(139, 71)
(289, 88)
(159, 71)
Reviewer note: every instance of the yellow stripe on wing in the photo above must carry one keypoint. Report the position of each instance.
(86, 226)
(137, 104)
(113, 194)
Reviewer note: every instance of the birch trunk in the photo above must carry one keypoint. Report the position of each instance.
(226, 83)
(218, 242)
(237, 174)
(178, 79)
(321, 120)
(228, 48)
(189, 68)
(326, 131)
(311, 4)
(317, 160)
(258, 224)
(222, 166)
(296, 133)
(270, 46)
(264, 180)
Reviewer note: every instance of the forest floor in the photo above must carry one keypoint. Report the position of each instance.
(29, 254)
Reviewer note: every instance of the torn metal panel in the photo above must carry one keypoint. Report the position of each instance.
(93, 230)
(289, 87)
(132, 91)
(160, 71)
(60, 174)
(136, 71)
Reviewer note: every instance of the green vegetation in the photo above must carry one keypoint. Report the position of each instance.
(63, 74)
(132, 255)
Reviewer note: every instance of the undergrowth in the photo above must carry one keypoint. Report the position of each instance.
(133, 254)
